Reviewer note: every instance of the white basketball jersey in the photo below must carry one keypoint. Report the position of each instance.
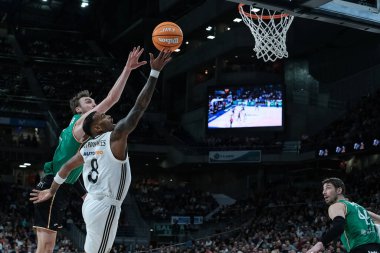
(103, 174)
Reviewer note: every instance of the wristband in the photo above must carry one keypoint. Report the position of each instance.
(154, 73)
(58, 179)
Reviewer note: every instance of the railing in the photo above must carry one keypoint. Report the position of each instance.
(138, 227)
(54, 125)
(23, 153)
(76, 235)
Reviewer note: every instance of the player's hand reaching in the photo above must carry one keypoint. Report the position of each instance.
(161, 60)
(40, 196)
(133, 58)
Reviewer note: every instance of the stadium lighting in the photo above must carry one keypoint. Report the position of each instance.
(187, 43)
(177, 50)
(208, 28)
(84, 3)
(237, 20)
(27, 164)
(22, 166)
(210, 37)
(255, 10)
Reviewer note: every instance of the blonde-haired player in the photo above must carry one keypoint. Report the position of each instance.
(106, 170)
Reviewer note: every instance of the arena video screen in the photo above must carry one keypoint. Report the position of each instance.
(245, 107)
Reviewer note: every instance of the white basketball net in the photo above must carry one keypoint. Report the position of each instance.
(269, 34)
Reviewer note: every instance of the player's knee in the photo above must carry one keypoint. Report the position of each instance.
(49, 247)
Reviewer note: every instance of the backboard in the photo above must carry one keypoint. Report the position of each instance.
(358, 14)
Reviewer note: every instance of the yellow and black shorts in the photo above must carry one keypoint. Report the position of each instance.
(50, 214)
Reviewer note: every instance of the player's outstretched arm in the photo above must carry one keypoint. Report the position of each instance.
(39, 196)
(125, 126)
(116, 91)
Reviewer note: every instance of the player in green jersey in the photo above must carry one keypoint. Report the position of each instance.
(48, 215)
(108, 181)
(352, 222)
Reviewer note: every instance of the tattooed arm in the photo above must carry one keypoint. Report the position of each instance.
(125, 126)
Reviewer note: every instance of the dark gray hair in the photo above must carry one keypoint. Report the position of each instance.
(336, 182)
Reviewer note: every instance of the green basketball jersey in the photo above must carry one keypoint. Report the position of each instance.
(67, 148)
(359, 229)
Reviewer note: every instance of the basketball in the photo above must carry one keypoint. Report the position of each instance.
(167, 35)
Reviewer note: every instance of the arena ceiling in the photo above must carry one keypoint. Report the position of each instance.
(118, 22)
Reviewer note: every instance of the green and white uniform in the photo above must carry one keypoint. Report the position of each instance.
(48, 214)
(359, 229)
(67, 148)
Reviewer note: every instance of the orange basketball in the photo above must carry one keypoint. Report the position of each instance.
(167, 35)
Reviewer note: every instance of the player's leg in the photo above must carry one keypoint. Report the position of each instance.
(48, 216)
(45, 240)
(101, 225)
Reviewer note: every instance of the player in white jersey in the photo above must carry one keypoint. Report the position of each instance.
(107, 181)
(106, 170)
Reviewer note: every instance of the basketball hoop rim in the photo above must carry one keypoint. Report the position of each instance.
(264, 17)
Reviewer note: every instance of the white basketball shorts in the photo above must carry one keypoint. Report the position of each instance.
(101, 216)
